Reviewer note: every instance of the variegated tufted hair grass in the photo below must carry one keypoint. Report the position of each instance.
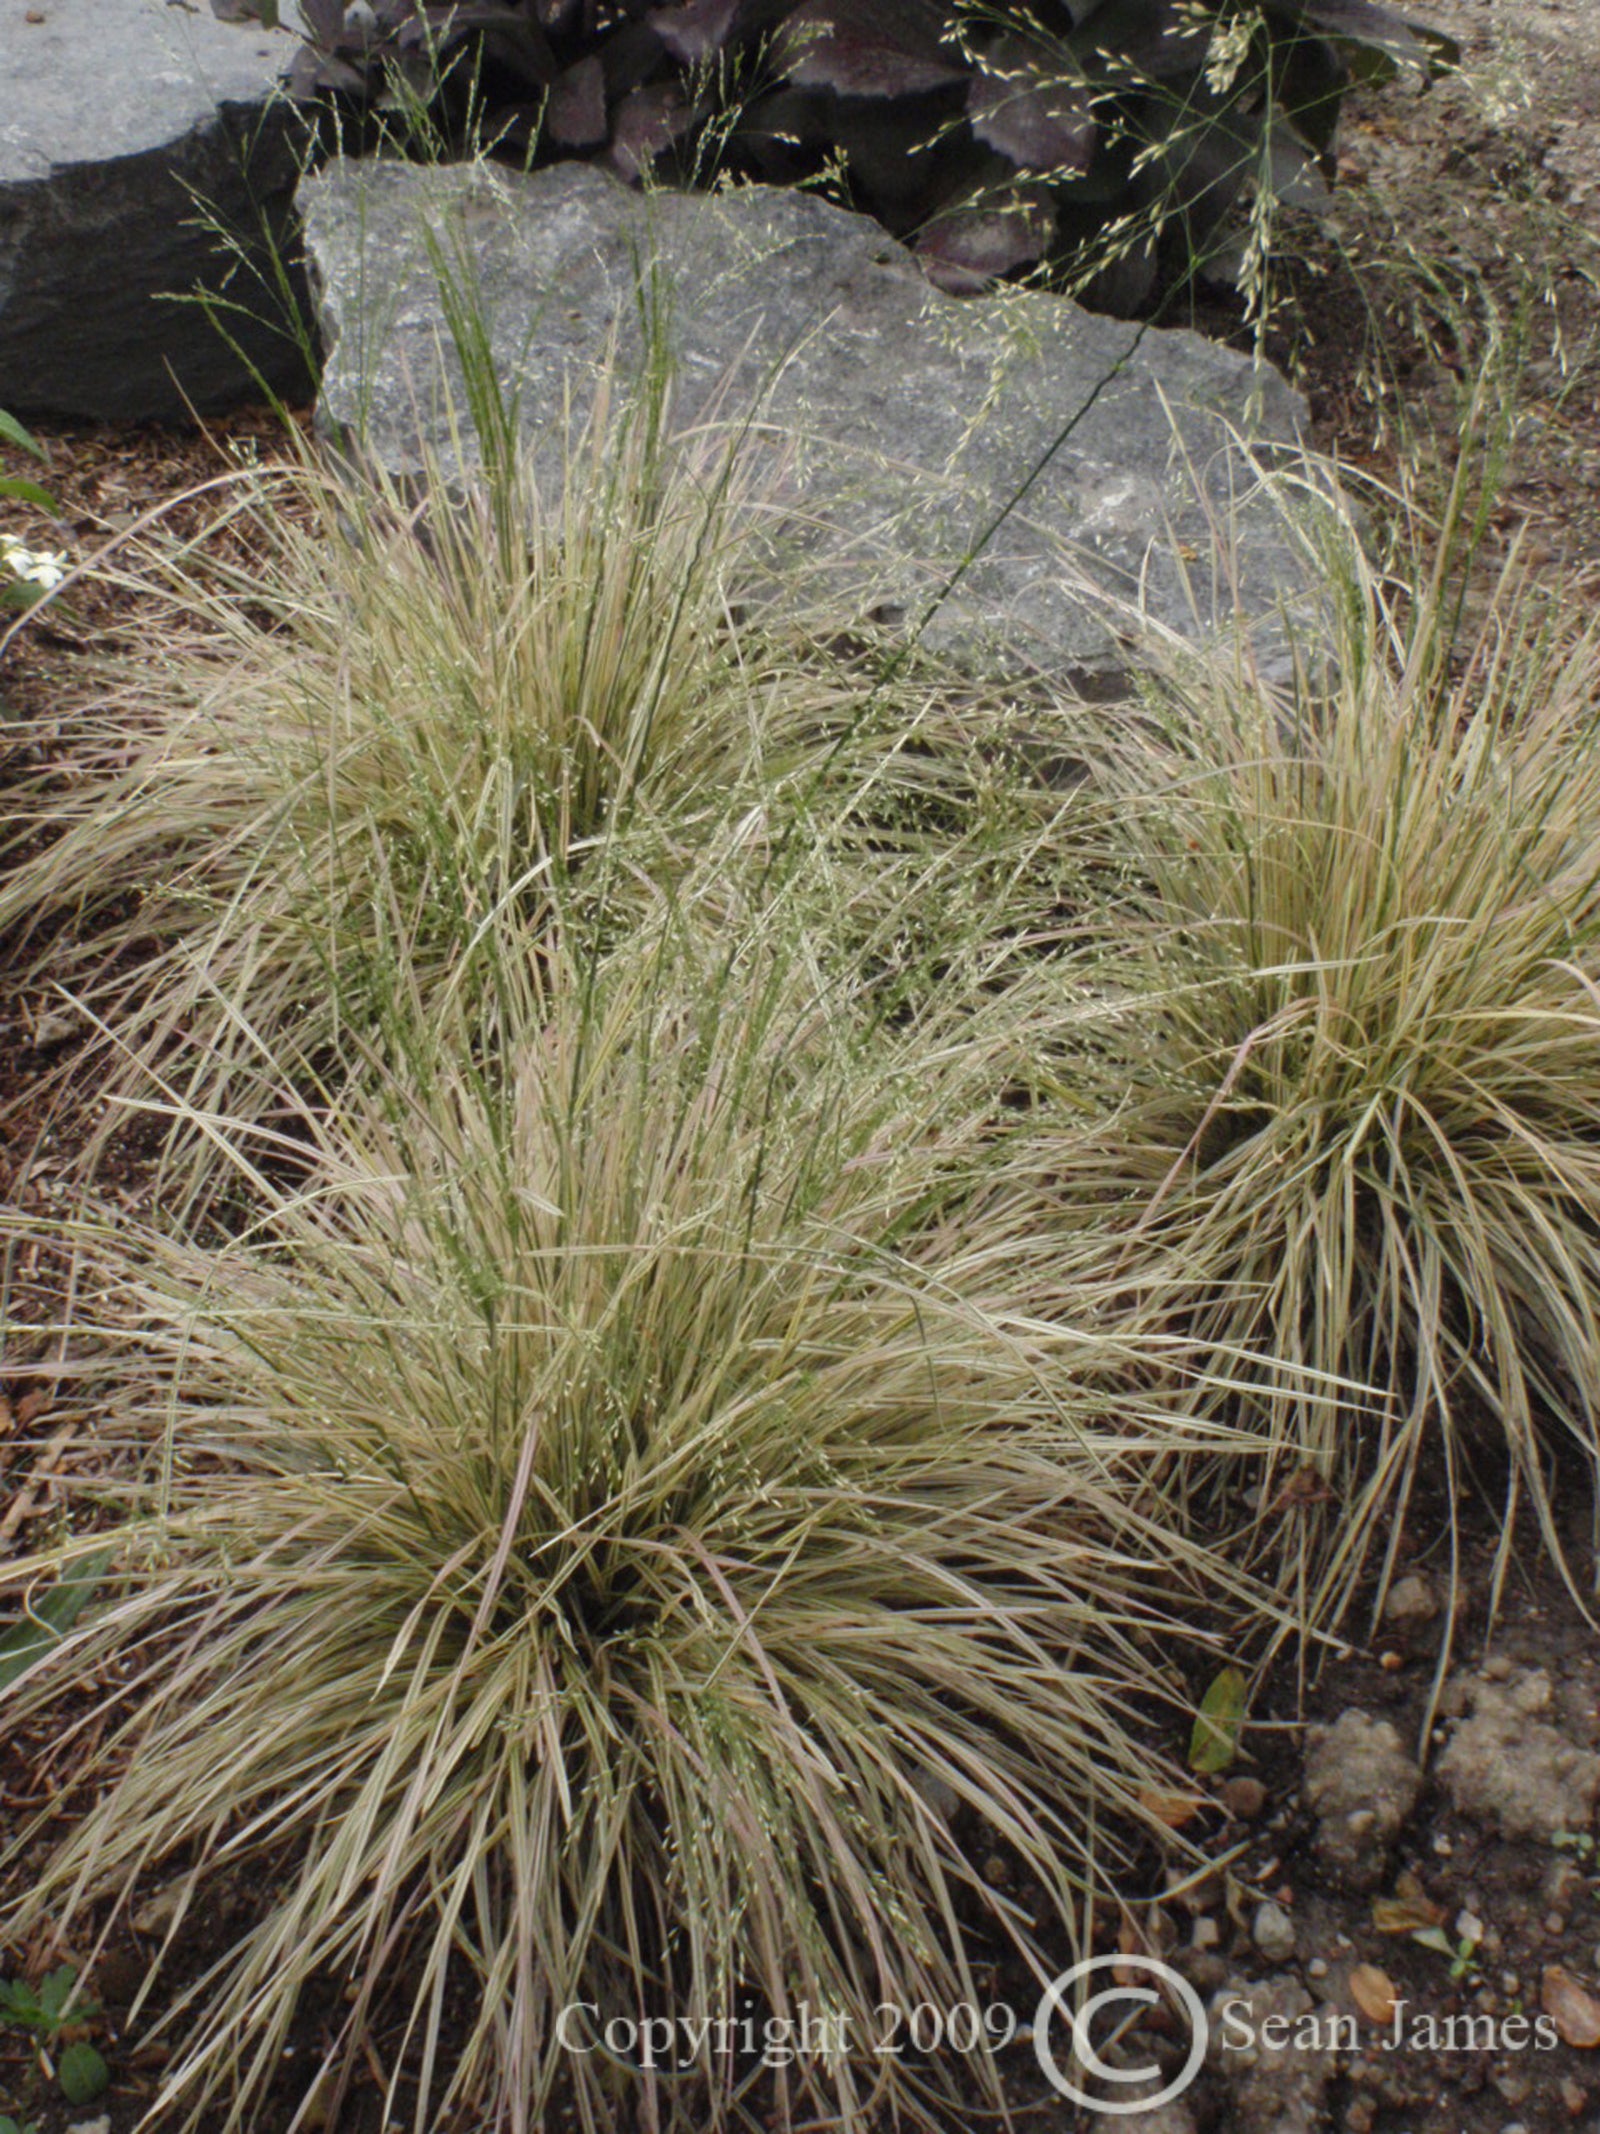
(406, 741)
(624, 1534)
(1349, 1091)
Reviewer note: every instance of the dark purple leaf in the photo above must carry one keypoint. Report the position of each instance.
(696, 30)
(324, 19)
(888, 146)
(774, 132)
(893, 48)
(630, 57)
(1160, 39)
(506, 32)
(310, 72)
(1364, 22)
(966, 250)
(647, 122)
(433, 30)
(1042, 119)
(1294, 174)
(575, 116)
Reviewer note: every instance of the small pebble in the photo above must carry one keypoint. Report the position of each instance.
(1272, 1931)
(1497, 1668)
(1442, 1845)
(1565, 1886)
(1575, 2097)
(1411, 1601)
(1555, 1922)
(1205, 1934)
(1317, 1968)
(1244, 1798)
(53, 1029)
(1205, 1970)
(1391, 1662)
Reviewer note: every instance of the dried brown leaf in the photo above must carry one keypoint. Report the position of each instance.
(1406, 1915)
(1173, 1809)
(1374, 1993)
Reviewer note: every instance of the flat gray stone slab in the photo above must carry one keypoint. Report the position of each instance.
(912, 420)
(114, 116)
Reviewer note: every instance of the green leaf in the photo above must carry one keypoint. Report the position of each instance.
(56, 1992)
(26, 492)
(49, 1620)
(1215, 1740)
(61, 1999)
(14, 434)
(19, 2003)
(82, 2073)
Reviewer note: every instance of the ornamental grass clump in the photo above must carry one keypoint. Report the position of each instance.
(338, 759)
(399, 745)
(1350, 1095)
(620, 1537)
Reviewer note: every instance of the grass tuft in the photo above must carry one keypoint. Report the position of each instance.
(622, 1535)
(351, 781)
(1350, 1091)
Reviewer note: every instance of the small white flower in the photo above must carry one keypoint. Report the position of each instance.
(42, 567)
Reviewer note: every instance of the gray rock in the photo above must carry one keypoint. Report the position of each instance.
(1276, 2062)
(919, 417)
(1506, 1765)
(114, 116)
(1361, 1786)
(1272, 1931)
